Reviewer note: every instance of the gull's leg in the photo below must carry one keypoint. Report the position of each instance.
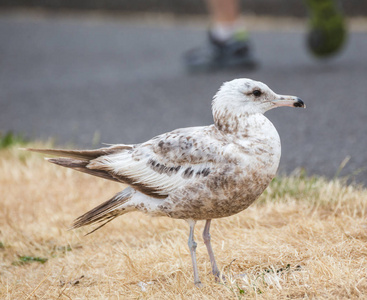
(206, 238)
(192, 246)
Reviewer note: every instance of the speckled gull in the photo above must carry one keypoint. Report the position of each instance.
(196, 173)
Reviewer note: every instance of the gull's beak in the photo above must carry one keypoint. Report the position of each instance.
(288, 101)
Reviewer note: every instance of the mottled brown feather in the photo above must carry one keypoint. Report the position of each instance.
(106, 211)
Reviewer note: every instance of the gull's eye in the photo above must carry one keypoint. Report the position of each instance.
(257, 93)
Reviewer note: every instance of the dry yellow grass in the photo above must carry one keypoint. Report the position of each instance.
(305, 238)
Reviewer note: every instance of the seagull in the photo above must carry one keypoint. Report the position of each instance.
(195, 173)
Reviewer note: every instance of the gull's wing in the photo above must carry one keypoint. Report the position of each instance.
(165, 162)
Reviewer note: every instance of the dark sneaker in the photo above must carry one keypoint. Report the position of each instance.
(235, 52)
(328, 31)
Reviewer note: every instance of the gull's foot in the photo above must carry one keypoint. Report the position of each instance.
(219, 277)
(198, 284)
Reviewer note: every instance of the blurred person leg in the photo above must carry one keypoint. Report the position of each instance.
(328, 31)
(228, 43)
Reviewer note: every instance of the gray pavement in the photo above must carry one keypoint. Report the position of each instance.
(181, 7)
(74, 79)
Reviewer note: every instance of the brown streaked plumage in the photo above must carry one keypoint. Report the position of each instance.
(197, 173)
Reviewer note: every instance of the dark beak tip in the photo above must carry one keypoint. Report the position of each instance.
(299, 103)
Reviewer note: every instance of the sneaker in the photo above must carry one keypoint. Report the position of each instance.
(328, 31)
(235, 52)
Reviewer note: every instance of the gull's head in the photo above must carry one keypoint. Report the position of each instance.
(245, 96)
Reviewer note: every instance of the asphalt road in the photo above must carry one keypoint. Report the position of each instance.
(79, 81)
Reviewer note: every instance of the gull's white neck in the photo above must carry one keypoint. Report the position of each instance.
(243, 124)
(255, 133)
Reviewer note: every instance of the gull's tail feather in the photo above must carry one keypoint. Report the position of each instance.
(105, 212)
(82, 154)
(79, 159)
(81, 166)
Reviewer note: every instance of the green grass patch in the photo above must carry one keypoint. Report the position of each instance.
(10, 139)
(28, 259)
(299, 187)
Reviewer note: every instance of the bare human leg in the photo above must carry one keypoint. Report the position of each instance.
(223, 11)
(228, 44)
